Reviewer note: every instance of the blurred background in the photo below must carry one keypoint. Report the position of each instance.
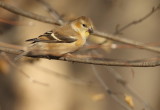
(74, 86)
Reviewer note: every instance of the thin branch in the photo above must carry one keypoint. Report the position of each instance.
(52, 12)
(112, 94)
(115, 62)
(154, 9)
(10, 50)
(27, 14)
(130, 24)
(8, 22)
(127, 41)
(120, 80)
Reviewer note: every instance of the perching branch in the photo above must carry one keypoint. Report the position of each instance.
(97, 33)
(89, 60)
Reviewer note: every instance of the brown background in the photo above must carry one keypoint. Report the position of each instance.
(18, 93)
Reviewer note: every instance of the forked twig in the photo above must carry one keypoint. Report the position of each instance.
(118, 29)
(52, 12)
(128, 25)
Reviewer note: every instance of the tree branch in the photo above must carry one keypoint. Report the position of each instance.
(27, 14)
(106, 88)
(88, 60)
(154, 9)
(126, 41)
(52, 12)
(130, 24)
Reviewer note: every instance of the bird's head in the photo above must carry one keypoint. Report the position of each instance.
(82, 25)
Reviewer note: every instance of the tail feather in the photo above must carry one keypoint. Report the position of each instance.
(31, 39)
(34, 40)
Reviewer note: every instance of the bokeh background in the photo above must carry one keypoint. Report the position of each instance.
(81, 91)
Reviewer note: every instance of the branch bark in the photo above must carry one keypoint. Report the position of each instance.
(117, 38)
(154, 9)
(27, 14)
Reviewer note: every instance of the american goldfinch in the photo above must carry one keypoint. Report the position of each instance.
(64, 39)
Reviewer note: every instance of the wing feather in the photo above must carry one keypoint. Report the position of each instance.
(51, 37)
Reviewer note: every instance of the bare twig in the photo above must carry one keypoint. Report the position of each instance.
(154, 9)
(52, 12)
(10, 50)
(119, 30)
(8, 22)
(112, 94)
(125, 85)
(127, 41)
(115, 62)
(27, 14)
(120, 80)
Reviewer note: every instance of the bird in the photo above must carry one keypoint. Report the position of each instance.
(64, 39)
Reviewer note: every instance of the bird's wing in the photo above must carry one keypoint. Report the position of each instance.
(53, 37)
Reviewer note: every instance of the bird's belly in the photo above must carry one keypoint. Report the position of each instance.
(61, 49)
(55, 49)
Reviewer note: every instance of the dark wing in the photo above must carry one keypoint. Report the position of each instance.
(51, 37)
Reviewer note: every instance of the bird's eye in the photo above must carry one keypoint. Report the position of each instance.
(84, 25)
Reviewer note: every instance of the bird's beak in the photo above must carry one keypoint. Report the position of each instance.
(90, 30)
